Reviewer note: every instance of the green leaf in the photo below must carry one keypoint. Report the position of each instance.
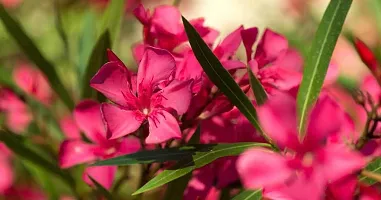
(97, 59)
(155, 156)
(374, 167)
(175, 189)
(16, 144)
(249, 195)
(101, 190)
(86, 42)
(319, 57)
(34, 54)
(220, 76)
(199, 159)
(112, 19)
(256, 86)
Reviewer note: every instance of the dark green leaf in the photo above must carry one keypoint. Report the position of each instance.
(112, 19)
(175, 189)
(319, 57)
(256, 86)
(101, 190)
(30, 49)
(157, 155)
(220, 76)
(16, 144)
(374, 167)
(249, 195)
(97, 59)
(199, 159)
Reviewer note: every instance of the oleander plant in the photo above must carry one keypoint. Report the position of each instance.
(185, 112)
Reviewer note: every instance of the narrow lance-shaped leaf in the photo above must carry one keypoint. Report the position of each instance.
(175, 189)
(249, 195)
(86, 42)
(319, 57)
(155, 156)
(112, 19)
(16, 144)
(97, 59)
(221, 77)
(33, 53)
(101, 190)
(200, 159)
(257, 88)
(374, 167)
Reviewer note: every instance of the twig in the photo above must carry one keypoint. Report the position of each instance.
(374, 176)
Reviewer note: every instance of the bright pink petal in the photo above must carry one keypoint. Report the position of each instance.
(157, 65)
(142, 14)
(104, 175)
(162, 127)
(88, 116)
(261, 168)
(371, 86)
(113, 81)
(173, 92)
(233, 64)
(18, 120)
(120, 122)
(249, 36)
(344, 189)
(33, 82)
(278, 119)
(369, 193)
(339, 161)
(167, 19)
(6, 172)
(200, 184)
(74, 152)
(290, 60)
(325, 119)
(138, 50)
(229, 45)
(70, 128)
(129, 145)
(270, 47)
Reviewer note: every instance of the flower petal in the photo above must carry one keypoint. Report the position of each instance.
(167, 20)
(229, 45)
(70, 128)
(162, 127)
(88, 116)
(120, 122)
(249, 36)
(6, 172)
(261, 168)
(325, 119)
(104, 175)
(156, 65)
(270, 47)
(339, 161)
(175, 91)
(278, 119)
(129, 145)
(113, 80)
(73, 152)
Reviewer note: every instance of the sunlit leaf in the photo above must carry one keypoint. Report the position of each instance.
(199, 159)
(34, 54)
(112, 19)
(319, 57)
(249, 195)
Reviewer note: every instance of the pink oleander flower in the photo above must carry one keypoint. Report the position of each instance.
(33, 83)
(11, 3)
(6, 169)
(276, 65)
(163, 29)
(228, 127)
(74, 151)
(151, 95)
(16, 111)
(304, 168)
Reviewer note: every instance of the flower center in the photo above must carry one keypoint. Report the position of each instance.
(308, 159)
(145, 111)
